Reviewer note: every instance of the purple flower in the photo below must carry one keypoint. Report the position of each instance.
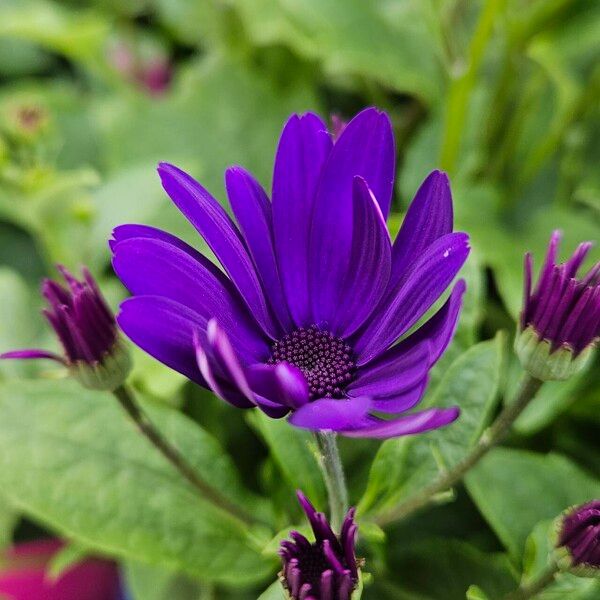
(579, 535)
(87, 331)
(314, 295)
(560, 321)
(326, 569)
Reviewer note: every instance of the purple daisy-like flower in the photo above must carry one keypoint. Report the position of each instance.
(314, 296)
(560, 321)
(87, 331)
(326, 569)
(579, 535)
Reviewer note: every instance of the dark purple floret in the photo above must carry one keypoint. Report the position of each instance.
(564, 309)
(325, 569)
(313, 313)
(580, 534)
(86, 329)
(327, 362)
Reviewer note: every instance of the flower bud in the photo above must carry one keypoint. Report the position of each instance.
(94, 351)
(578, 545)
(560, 321)
(326, 569)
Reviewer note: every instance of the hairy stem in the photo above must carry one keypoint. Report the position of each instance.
(333, 473)
(494, 435)
(531, 590)
(147, 429)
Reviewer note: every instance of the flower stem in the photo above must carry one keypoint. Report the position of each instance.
(147, 429)
(494, 435)
(546, 577)
(333, 474)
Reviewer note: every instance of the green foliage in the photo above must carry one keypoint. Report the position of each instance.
(506, 481)
(123, 498)
(403, 465)
(501, 93)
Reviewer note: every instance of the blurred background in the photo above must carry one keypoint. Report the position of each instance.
(502, 94)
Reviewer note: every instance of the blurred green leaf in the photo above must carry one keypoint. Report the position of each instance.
(8, 521)
(441, 568)
(273, 592)
(79, 34)
(149, 583)
(294, 452)
(403, 465)
(515, 490)
(71, 459)
(391, 44)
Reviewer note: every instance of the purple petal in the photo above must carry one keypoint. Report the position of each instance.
(221, 388)
(429, 217)
(330, 414)
(365, 149)
(416, 423)
(252, 210)
(32, 353)
(303, 149)
(221, 234)
(403, 400)
(394, 372)
(527, 279)
(165, 330)
(282, 383)
(152, 267)
(370, 263)
(236, 374)
(125, 232)
(402, 308)
(438, 331)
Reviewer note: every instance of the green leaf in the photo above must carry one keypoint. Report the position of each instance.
(476, 593)
(79, 35)
(403, 465)
(514, 490)
(274, 592)
(441, 568)
(149, 583)
(392, 46)
(292, 450)
(9, 517)
(17, 327)
(70, 458)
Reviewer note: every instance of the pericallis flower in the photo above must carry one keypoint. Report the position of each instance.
(305, 318)
(94, 351)
(560, 321)
(579, 540)
(326, 569)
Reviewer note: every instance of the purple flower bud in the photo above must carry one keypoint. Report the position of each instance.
(579, 539)
(326, 569)
(560, 321)
(87, 331)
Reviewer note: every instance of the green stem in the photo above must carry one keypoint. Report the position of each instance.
(462, 84)
(333, 473)
(546, 577)
(147, 429)
(494, 435)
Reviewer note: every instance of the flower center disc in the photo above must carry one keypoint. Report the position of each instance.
(326, 361)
